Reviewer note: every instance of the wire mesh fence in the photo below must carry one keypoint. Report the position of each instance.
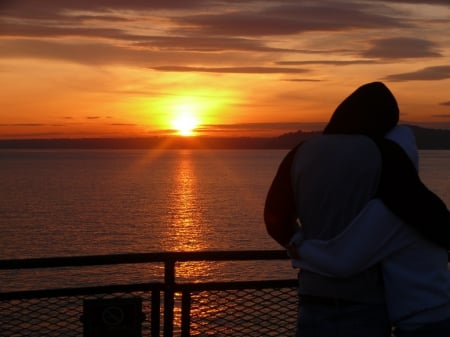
(54, 317)
(168, 308)
(246, 312)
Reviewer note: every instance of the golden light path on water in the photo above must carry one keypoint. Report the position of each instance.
(186, 213)
(188, 232)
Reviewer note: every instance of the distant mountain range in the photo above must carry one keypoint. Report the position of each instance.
(431, 138)
(425, 138)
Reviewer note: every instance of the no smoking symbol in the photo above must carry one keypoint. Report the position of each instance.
(112, 315)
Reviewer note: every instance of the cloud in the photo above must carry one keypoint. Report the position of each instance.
(255, 127)
(136, 41)
(426, 74)
(441, 116)
(25, 124)
(423, 2)
(43, 7)
(86, 53)
(87, 32)
(50, 30)
(56, 18)
(289, 19)
(401, 47)
(96, 53)
(233, 70)
(191, 43)
(202, 43)
(301, 80)
(328, 62)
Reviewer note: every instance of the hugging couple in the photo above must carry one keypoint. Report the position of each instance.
(370, 240)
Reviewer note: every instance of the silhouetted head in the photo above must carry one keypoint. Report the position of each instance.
(370, 110)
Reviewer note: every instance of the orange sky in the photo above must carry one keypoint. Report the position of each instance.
(103, 68)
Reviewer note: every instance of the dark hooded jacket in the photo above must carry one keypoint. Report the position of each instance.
(370, 110)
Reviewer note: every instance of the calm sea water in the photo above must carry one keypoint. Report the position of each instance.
(113, 201)
(84, 202)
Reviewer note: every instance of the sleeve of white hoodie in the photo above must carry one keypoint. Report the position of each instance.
(371, 237)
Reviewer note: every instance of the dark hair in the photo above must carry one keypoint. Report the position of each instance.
(370, 110)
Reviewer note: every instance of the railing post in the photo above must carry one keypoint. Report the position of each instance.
(169, 294)
(186, 313)
(155, 319)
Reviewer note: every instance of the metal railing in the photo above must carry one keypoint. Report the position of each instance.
(173, 308)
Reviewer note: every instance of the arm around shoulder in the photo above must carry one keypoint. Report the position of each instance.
(372, 236)
(405, 195)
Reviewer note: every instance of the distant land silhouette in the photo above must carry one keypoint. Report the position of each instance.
(426, 139)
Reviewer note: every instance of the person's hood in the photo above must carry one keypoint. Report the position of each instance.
(370, 110)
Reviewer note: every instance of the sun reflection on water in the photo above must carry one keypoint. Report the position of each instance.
(186, 212)
(188, 226)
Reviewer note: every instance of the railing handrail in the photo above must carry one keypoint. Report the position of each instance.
(132, 258)
(168, 287)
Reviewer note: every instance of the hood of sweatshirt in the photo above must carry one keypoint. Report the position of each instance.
(370, 110)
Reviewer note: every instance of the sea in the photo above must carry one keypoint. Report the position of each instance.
(89, 202)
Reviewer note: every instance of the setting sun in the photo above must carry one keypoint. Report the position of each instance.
(185, 125)
(185, 120)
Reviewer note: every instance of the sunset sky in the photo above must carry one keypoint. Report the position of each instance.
(120, 68)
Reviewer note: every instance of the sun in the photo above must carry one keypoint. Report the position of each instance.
(185, 125)
(185, 121)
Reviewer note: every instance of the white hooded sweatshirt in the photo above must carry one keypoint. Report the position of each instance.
(415, 271)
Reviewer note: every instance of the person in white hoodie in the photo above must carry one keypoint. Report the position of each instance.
(415, 270)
